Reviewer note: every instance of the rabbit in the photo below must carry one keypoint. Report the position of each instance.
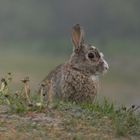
(77, 79)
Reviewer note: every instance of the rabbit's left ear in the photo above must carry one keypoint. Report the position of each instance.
(77, 36)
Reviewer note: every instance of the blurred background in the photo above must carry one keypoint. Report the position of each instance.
(35, 37)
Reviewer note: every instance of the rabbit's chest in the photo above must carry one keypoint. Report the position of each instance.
(94, 78)
(78, 82)
(78, 87)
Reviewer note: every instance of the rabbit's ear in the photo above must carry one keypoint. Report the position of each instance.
(77, 36)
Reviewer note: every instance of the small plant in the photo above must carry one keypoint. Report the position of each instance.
(105, 107)
(124, 120)
(20, 101)
(4, 88)
(26, 90)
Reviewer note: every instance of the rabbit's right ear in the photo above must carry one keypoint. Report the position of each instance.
(77, 36)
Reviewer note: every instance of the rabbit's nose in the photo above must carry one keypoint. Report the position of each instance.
(106, 66)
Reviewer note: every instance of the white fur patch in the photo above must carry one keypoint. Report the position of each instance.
(94, 77)
(105, 63)
(93, 47)
(105, 66)
(101, 54)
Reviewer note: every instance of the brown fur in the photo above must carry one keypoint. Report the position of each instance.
(77, 86)
(73, 81)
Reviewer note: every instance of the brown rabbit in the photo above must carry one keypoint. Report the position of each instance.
(77, 79)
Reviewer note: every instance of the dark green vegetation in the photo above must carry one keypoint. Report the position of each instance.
(22, 119)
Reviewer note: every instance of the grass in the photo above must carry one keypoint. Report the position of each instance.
(22, 118)
(123, 120)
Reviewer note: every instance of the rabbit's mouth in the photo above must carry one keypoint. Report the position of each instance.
(102, 68)
(98, 73)
(105, 71)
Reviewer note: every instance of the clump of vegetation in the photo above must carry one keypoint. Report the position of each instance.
(77, 121)
(22, 100)
(124, 120)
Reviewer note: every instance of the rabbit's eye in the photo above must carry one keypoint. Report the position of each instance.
(91, 55)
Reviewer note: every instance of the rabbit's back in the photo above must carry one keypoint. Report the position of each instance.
(52, 82)
(54, 74)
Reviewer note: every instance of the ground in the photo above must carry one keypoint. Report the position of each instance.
(66, 121)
